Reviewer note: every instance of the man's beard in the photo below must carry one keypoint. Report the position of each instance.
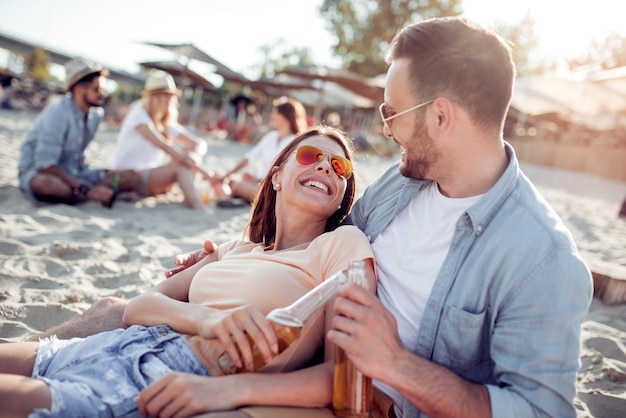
(420, 156)
(92, 103)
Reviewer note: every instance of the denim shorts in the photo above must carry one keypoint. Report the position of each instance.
(99, 376)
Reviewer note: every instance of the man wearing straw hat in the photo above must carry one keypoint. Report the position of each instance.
(52, 164)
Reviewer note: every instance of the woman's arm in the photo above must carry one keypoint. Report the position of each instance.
(188, 141)
(186, 395)
(167, 303)
(156, 138)
(149, 132)
(241, 164)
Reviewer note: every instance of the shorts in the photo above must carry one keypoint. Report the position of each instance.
(99, 376)
(143, 189)
(89, 176)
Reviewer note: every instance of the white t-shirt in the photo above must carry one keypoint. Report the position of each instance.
(261, 156)
(409, 253)
(133, 150)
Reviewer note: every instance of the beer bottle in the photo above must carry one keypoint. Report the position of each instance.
(288, 322)
(352, 391)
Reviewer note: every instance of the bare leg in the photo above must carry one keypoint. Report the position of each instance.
(245, 188)
(104, 315)
(49, 188)
(186, 184)
(19, 395)
(162, 178)
(18, 358)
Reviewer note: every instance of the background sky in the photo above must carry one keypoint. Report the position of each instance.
(232, 30)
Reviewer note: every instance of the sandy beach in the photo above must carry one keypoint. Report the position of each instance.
(55, 260)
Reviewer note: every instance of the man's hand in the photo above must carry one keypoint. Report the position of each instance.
(100, 193)
(189, 259)
(366, 330)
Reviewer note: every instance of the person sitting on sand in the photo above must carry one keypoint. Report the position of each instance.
(288, 117)
(150, 134)
(188, 320)
(52, 165)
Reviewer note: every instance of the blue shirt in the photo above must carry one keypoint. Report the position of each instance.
(506, 308)
(59, 137)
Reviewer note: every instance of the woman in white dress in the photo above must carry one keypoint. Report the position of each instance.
(152, 141)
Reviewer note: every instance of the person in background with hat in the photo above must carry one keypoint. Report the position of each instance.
(52, 165)
(243, 118)
(150, 134)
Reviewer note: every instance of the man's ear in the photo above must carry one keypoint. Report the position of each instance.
(444, 113)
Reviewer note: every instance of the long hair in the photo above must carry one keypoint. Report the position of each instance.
(150, 103)
(262, 225)
(466, 63)
(293, 111)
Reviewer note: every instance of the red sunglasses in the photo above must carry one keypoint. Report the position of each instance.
(308, 155)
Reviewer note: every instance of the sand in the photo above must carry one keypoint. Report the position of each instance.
(56, 260)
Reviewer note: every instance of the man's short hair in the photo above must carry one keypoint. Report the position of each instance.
(458, 59)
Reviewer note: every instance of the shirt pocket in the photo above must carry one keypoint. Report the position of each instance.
(463, 342)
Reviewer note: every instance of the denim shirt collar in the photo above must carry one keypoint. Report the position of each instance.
(88, 122)
(480, 214)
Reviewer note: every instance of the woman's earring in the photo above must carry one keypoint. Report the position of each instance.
(277, 186)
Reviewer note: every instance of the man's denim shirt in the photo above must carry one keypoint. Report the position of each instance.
(506, 308)
(59, 137)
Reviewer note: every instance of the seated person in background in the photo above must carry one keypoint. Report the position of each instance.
(150, 134)
(52, 165)
(187, 321)
(242, 118)
(288, 118)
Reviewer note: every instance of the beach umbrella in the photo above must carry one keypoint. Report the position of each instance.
(190, 51)
(577, 100)
(356, 83)
(281, 84)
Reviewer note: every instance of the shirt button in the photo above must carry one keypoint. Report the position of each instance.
(162, 331)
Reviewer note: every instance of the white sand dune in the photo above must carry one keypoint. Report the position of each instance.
(55, 260)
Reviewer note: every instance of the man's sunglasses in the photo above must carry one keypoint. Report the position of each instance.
(387, 114)
(308, 155)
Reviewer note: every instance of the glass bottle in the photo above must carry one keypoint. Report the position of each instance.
(288, 322)
(352, 391)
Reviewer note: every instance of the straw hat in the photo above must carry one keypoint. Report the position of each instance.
(160, 82)
(77, 68)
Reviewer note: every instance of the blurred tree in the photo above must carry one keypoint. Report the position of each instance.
(279, 56)
(603, 54)
(524, 40)
(38, 64)
(364, 28)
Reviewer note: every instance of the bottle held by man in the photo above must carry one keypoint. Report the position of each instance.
(352, 391)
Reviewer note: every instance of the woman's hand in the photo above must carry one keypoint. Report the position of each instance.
(240, 328)
(183, 395)
(189, 259)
